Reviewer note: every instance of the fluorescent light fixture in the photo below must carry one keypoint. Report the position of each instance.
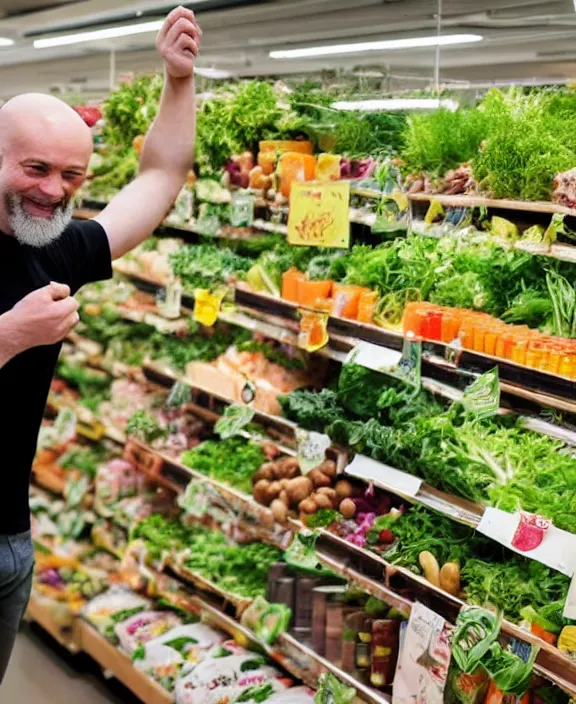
(99, 34)
(209, 72)
(4, 41)
(385, 45)
(395, 104)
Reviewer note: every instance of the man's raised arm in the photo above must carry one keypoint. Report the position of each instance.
(168, 151)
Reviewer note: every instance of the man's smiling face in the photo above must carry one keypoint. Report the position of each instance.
(45, 157)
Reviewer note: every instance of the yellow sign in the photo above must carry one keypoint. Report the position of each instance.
(313, 334)
(319, 214)
(207, 306)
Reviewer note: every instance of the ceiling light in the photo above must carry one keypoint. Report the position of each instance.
(209, 72)
(4, 41)
(395, 104)
(99, 34)
(385, 45)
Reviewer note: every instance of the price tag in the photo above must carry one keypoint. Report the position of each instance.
(234, 419)
(313, 334)
(393, 213)
(405, 365)
(319, 214)
(242, 210)
(482, 397)
(169, 300)
(422, 670)
(311, 448)
(434, 213)
(207, 306)
(557, 549)
(570, 603)
(384, 476)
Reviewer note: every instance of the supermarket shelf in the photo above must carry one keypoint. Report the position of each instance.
(163, 375)
(463, 201)
(546, 389)
(393, 583)
(120, 665)
(64, 631)
(295, 657)
(542, 388)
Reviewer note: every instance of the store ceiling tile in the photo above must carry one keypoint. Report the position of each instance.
(523, 39)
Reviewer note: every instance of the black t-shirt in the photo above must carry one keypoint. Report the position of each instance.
(81, 255)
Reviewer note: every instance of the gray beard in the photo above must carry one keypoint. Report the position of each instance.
(37, 231)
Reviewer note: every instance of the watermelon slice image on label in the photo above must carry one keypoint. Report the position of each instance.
(530, 532)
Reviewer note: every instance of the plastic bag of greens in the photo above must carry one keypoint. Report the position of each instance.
(164, 657)
(266, 620)
(332, 691)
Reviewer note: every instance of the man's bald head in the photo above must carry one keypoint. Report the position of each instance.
(25, 116)
(45, 147)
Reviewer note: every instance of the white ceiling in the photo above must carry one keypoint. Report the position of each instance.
(523, 39)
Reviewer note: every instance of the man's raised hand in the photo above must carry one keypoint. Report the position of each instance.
(178, 42)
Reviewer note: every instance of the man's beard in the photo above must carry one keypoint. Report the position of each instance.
(36, 231)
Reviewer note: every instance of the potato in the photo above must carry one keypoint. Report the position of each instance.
(328, 467)
(308, 506)
(284, 483)
(450, 578)
(260, 492)
(299, 489)
(322, 501)
(430, 567)
(319, 478)
(283, 497)
(347, 508)
(279, 510)
(287, 468)
(344, 489)
(266, 471)
(274, 490)
(329, 492)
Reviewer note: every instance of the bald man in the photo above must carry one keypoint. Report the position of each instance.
(45, 258)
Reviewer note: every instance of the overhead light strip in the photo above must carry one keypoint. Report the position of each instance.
(99, 34)
(384, 45)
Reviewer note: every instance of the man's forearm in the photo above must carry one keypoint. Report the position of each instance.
(169, 145)
(9, 346)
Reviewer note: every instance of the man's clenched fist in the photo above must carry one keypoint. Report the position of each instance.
(178, 42)
(44, 316)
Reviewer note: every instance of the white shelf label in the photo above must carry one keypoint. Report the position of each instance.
(375, 357)
(570, 603)
(557, 549)
(386, 477)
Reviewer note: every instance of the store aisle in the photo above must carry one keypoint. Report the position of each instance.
(43, 673)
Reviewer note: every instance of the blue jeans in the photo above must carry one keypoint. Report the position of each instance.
(16, 565)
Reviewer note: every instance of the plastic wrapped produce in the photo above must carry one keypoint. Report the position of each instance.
(143, 627)
(163, 658)
(115, 605)
(294, 695)
(227, 674)
(115, 480)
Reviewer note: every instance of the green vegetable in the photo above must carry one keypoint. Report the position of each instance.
(142, 426)
(475, 631)
(232, 461)
(207, 266)
(508, 671)
(332, 691)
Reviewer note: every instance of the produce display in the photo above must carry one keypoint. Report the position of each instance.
(219, 459)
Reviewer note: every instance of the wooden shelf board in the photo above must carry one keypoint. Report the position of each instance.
(64, 633)
(464, 201)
